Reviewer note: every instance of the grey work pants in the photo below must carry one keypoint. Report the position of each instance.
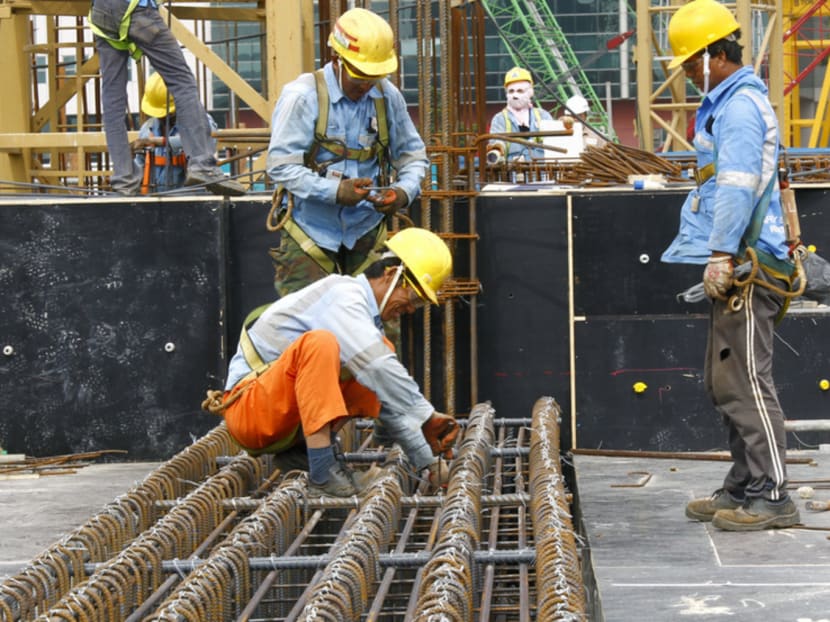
(738, 378)
(152, 36)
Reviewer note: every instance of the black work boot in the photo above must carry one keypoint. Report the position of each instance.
(758, 513)
(704, 509)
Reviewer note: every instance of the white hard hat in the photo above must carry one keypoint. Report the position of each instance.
(577, 105)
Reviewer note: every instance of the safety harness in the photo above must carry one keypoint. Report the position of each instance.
(110, 20)
(748, 252)
(379, 150)
(215, 403)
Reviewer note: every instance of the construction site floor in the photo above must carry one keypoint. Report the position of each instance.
(37, 511)
(647, 560)
(652, 563)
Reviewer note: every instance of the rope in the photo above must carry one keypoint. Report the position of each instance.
(750, 269)
(276, 202)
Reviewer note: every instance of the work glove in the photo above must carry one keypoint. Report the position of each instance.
(353, 190)
(440, 432)
(438, 474)
(391, 201)
(718, 277)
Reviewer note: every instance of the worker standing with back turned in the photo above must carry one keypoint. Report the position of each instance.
(318, 356)
(733, 216)
(519, 115)
(345, 150)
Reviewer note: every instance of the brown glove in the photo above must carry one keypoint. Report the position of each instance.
(392, 200)
(440, 432)
(353, 191)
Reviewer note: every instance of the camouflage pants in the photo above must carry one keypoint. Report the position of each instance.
(294, 268)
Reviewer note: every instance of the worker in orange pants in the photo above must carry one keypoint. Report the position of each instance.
(318, 356)
(299, 395)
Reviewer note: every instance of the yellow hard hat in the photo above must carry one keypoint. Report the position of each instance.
(154, 101)
(696, 25)
(365, 41)
(426, 258)
(517, 74)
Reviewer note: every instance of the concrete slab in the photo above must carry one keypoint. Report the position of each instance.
(36, 513)
(652, 563)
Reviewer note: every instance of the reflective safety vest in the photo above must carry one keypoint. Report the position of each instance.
(508, 125)
(110, 20)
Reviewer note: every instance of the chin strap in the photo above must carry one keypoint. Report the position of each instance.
(706, 72)
(392, 286)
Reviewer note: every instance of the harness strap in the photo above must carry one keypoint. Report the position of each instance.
(176, 160)
(103, 14)
(378, 150)
(311, 248)
(508, 125)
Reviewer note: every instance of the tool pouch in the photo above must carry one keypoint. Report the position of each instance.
(107, 15)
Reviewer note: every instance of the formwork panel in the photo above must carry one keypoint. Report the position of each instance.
(115, 327)
(523, 307)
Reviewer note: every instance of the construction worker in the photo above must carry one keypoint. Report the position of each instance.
(318, 356)
(132, 28)
(731, 217)
(519, 115)
(338, 135)
(576, 111)
(161, 154)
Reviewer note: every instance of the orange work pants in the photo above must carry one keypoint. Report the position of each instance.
(302, 389)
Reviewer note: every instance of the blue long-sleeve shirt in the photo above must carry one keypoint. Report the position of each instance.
(736, 128)
(346, 307)
(355, 123)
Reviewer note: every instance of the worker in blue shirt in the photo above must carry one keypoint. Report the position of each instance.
(734, 217)
(347, 154)
(519, 115)
(161, 155)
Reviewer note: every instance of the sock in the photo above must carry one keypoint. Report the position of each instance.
(320, 460)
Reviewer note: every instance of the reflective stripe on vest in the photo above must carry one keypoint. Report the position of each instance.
(121, 43)
(508, 125)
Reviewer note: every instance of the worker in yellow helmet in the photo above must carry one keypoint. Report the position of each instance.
(518, 115)
(161, 156)
(319, 356)
(345, 149)
(736, 208)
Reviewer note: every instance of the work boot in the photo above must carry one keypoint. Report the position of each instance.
(704, 509)
(363, 479)
(215, 181)
(339, 484)
(758, 513)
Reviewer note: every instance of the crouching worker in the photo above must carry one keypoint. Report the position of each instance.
(318, 356)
